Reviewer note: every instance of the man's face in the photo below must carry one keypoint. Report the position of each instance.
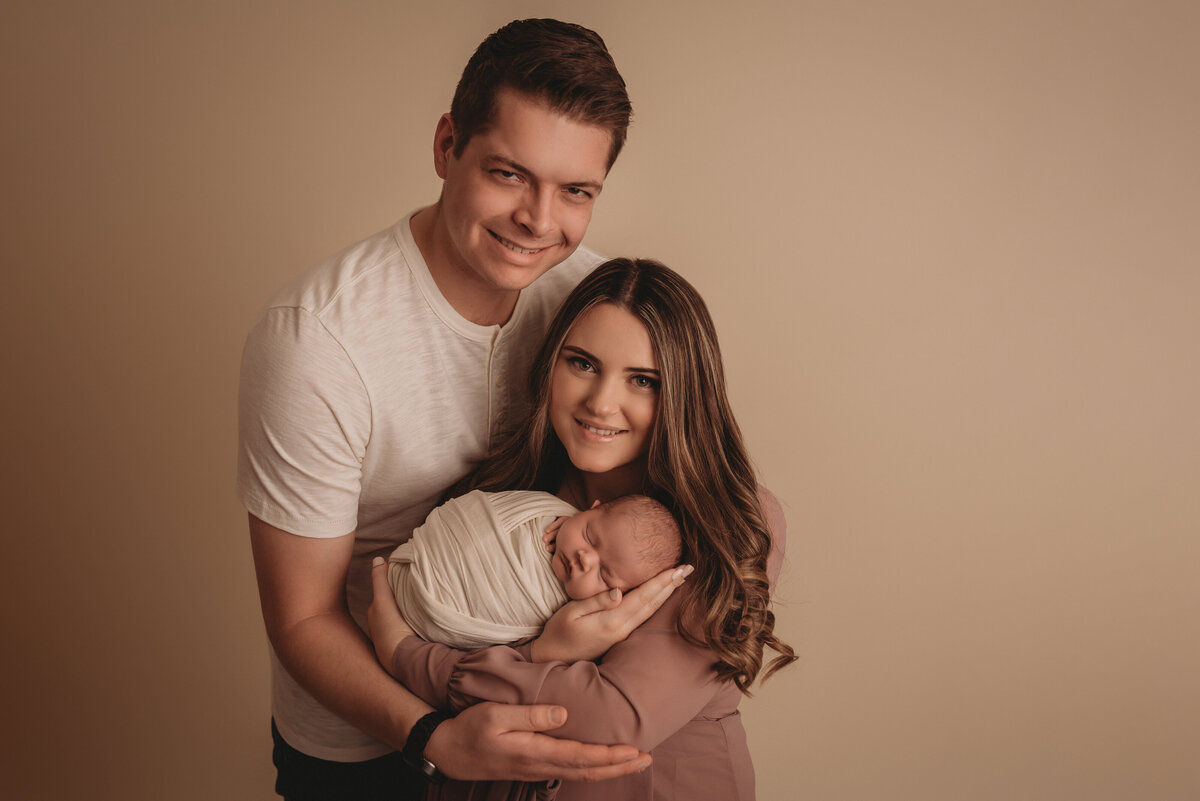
(519, 199)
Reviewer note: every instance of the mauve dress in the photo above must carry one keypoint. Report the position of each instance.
(654, 691)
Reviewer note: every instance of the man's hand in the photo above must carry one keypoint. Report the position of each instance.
(385, 621)
(500, 741)
(587, 628)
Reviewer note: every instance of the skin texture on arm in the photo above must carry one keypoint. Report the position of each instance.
(301, 582)
(302, 589)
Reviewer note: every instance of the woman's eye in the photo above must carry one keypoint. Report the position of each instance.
(645, 382)
(580, 363)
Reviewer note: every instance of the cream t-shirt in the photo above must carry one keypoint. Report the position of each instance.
(363, 396)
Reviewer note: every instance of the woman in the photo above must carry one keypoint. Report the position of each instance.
(629, 397)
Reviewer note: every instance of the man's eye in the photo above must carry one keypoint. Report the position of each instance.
(575, 191)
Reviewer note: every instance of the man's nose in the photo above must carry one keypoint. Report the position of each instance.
(535, 212)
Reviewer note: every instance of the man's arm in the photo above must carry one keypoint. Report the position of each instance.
(302, 587)
(301, 584)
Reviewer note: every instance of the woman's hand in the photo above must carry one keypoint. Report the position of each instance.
(584, 630)
(550, 536)
(384, 619)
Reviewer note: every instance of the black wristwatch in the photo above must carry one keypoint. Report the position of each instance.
(418, 738)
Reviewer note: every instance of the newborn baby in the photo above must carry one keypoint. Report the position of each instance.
(477, 573)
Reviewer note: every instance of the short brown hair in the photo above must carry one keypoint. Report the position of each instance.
(564, 65)
(654, 528)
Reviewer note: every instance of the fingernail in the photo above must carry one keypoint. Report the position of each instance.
(557, 715)
(683, 572)
(615, 594)
(377, 561)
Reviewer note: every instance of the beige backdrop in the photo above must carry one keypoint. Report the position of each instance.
(952, 253)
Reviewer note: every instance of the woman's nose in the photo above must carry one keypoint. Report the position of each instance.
(602, 400)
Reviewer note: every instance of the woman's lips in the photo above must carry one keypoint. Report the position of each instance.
(599, 432)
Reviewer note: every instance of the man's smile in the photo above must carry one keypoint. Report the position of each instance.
(512, 245)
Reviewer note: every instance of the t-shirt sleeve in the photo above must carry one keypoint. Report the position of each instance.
(304, 420)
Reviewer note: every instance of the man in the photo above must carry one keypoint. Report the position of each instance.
(371, 383)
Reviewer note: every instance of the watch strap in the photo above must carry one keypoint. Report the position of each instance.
(418, 738)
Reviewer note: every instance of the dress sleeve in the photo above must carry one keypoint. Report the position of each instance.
(304, 420)
(645, 688)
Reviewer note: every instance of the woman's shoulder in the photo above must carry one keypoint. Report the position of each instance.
(772, 511)
(777, 527)
(770, 503)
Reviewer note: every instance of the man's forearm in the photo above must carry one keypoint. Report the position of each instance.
(329, 656)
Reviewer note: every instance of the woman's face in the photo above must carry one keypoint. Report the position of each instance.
(604, 390)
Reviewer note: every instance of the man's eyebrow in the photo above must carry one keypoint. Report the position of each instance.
(516, 166)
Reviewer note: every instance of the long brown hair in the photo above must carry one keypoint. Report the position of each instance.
(697, 465)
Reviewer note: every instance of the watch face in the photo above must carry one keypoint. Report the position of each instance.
(431, 772)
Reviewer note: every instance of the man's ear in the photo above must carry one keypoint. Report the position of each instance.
(443, 145)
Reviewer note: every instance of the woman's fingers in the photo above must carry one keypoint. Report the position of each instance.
(551, 532)
(379, 580)
(586, 629)
(643, 601)
(609, 599)
(385, 623)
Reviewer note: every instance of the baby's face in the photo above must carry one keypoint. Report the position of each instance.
(596, 551)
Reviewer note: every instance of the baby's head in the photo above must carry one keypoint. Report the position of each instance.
(618, 545)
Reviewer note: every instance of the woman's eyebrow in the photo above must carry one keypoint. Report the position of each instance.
(581, 352)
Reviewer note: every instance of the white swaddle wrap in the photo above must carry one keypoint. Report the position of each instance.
(477, 573)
